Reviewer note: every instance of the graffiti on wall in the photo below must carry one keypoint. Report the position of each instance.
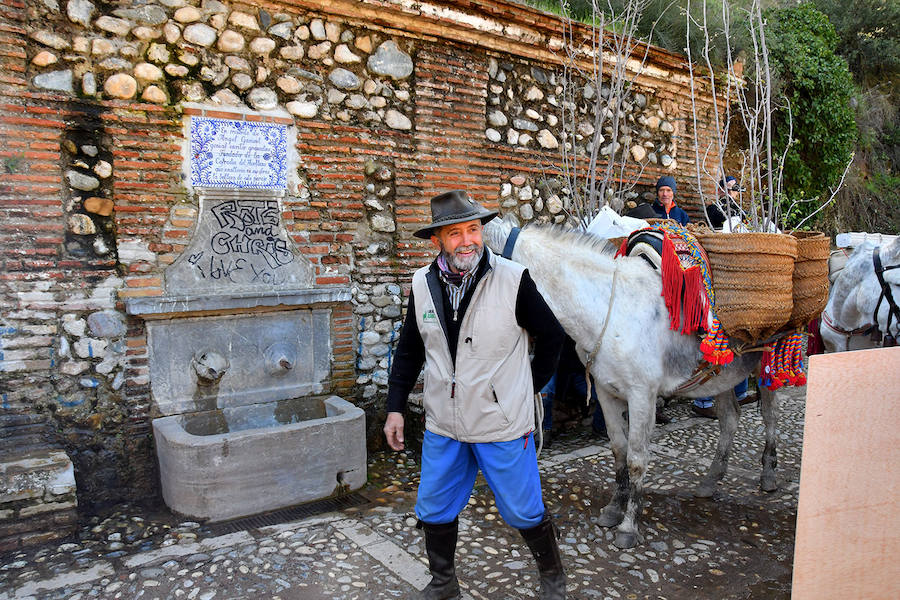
(244, 236)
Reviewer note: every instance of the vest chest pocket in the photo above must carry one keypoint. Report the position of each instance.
(492, 335)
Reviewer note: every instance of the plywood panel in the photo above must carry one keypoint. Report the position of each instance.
(848, 516)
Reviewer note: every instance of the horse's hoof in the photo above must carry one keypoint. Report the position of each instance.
(610, 517)
(767, 483)
(705, 490)
(626, 539)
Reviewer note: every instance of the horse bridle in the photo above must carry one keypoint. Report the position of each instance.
(893, 310)
(888, 338)
(847, 333)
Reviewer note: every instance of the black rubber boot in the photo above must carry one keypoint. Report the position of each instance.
(440, 545)
(541, 539)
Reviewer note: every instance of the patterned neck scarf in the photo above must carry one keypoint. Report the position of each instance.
(457, 284)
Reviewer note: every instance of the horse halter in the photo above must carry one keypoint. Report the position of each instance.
(893, 310)
(866, 329)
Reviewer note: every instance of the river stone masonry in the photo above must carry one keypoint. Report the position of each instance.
(526, 104)
(533, 199)
(89, 177)
(378, 309)
(176, 51)
(377, 304)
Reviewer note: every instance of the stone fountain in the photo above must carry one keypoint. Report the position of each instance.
(240, 344)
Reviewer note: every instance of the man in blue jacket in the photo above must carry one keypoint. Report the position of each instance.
(664, 206)
(469, 321)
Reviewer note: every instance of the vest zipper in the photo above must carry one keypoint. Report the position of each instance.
(453, 386)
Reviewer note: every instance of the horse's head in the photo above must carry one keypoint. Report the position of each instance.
(854, 296)
(890, 256)
(497, 230)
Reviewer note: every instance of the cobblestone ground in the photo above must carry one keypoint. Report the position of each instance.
(738, 544)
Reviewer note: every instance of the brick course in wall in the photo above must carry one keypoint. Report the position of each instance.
(364, 178)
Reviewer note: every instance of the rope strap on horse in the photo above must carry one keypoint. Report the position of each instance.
(703, 373)
(593, 354)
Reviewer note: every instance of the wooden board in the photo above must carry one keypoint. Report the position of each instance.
(848, 515)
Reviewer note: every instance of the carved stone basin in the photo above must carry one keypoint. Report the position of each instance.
(227, 463)
(243, 382)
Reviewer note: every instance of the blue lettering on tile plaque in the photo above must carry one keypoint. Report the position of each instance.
(238, 154)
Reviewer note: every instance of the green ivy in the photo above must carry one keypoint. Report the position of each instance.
(817, 83)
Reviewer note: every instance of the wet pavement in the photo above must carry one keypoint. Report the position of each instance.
(737, 545)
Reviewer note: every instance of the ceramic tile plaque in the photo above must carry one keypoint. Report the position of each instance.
(228, 153)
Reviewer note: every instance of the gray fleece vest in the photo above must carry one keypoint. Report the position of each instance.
(488, 396)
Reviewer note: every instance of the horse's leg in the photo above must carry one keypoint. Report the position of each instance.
(641, 418)
(728, 412)
(768, 405)
(614, 414)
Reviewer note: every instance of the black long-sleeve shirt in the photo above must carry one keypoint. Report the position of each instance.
(532, 314)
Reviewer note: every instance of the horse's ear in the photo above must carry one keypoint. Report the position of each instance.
(891, 251)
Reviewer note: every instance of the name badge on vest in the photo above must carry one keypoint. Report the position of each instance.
(429, 317)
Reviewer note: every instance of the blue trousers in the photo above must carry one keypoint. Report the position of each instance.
(449, 468)
(548, 394)
(740, 391)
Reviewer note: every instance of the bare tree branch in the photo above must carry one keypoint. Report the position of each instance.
(834, 192)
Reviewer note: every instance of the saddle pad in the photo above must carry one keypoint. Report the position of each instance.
(682, 264)
(648, 245)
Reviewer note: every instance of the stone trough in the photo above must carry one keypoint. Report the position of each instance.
(240, 354)
(223, 464)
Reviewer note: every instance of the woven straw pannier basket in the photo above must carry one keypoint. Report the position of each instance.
(810, 277)
(752, 276)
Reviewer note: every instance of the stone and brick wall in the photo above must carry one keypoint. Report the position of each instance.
(37, 484)
(392, 101)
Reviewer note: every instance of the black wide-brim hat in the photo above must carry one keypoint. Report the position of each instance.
(454, 207)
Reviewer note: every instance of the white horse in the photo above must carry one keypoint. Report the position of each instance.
(854, 309)
(615, 312)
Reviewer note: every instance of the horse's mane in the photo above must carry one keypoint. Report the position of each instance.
(889, 250)
(576, 238)
(863, 249)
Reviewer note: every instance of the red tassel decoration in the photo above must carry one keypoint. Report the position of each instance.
(683, 291)
(784, 365)
(672, 280)
(765, 371)
(714, 345)
(695, 303)
(688, 293)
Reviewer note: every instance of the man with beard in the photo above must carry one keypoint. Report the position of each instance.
(469, 319)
